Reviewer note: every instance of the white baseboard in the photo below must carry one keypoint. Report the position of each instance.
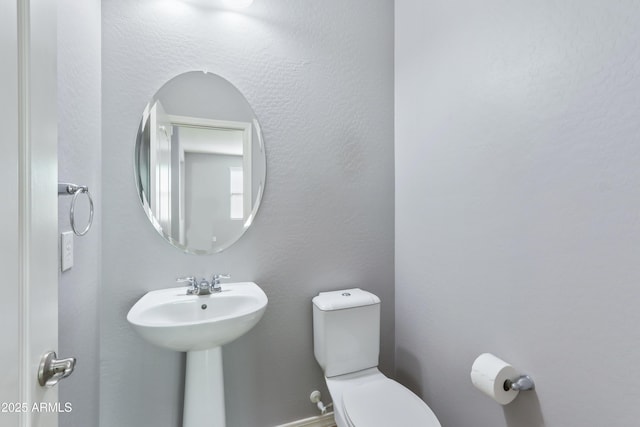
(319, 421)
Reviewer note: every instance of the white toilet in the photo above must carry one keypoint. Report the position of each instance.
(346, 339)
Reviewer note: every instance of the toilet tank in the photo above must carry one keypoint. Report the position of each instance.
(346, 331)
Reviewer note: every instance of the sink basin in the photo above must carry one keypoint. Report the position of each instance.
(199, 325)
(170, 318)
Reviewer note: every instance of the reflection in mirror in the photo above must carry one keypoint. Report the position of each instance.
(200, 163)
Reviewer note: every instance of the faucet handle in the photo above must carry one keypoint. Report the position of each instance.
(191, 282)
(215, 280)
(188, 279)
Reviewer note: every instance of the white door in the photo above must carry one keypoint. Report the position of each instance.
(28, 243)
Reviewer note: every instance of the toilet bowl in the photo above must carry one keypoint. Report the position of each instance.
(370, 399)
(346, 334)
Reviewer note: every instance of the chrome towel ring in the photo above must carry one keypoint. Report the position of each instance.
(75, 191)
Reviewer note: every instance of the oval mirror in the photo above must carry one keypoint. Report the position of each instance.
(200, 164)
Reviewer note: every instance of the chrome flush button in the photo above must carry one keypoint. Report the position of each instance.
(346, 294)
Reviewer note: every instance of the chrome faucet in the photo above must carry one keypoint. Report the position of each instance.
(203, 287)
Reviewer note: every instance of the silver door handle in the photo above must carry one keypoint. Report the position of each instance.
(52, 370)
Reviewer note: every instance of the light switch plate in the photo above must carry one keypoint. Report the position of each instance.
(66, 250)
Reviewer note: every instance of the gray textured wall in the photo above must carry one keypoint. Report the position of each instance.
(517, 203)
(319, 76)
(79, 136)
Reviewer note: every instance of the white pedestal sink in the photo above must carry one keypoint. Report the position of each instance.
(199, 325)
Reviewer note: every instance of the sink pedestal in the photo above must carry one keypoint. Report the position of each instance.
(204, 389)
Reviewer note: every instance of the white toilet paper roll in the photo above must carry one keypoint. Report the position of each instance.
(489, 373)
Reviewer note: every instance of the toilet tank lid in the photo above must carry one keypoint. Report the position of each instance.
(346, 298)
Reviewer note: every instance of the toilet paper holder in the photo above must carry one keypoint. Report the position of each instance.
(498, 379)
(523, 383)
